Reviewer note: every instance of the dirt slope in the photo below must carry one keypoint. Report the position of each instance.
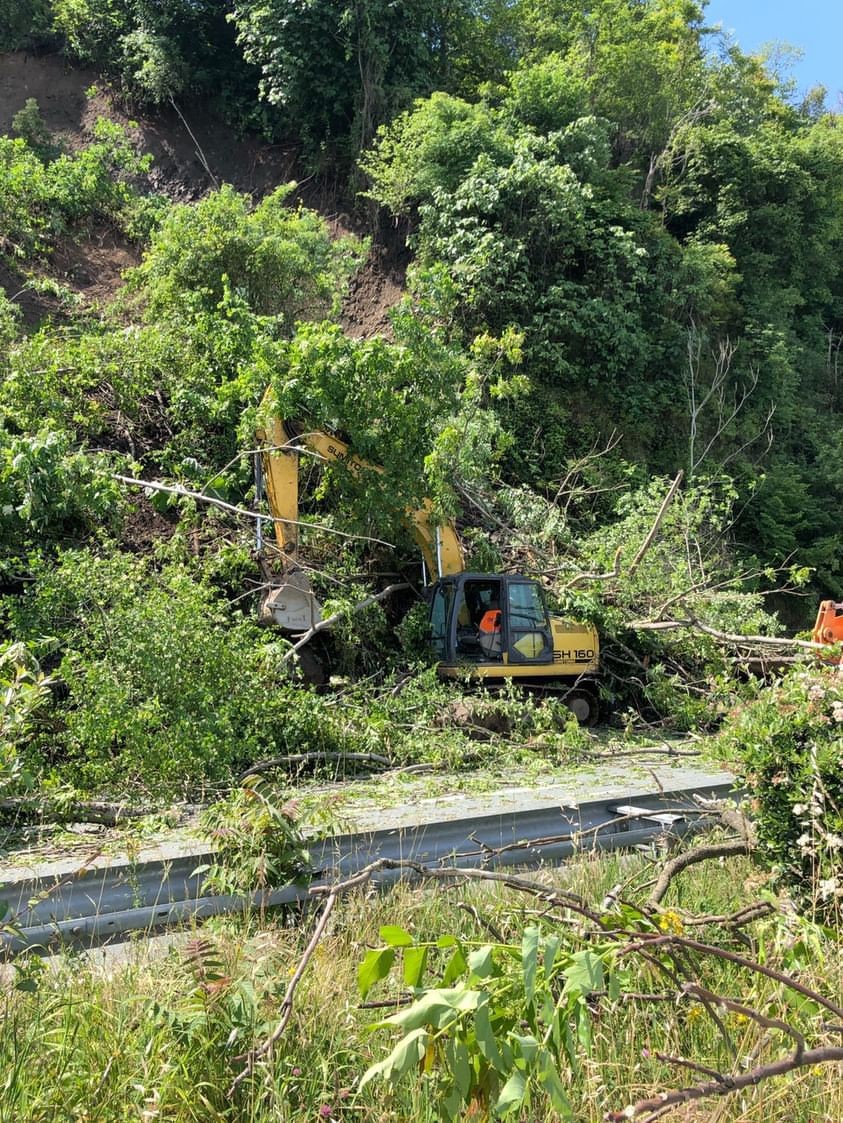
(192, 153)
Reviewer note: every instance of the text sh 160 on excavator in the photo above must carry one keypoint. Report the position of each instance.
(493, 627)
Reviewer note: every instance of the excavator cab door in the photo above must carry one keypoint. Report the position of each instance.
(477, 619)
(441, 605)
(529, 637)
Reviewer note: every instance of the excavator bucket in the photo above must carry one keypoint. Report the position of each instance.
(292, 604)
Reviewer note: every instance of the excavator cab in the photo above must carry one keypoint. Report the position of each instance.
(496, 627)
(497, 619)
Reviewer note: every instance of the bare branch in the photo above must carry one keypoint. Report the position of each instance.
(615, 571)
(254, 1055)
(48, 811)
(697, 991)
(692, 858)
(724, 1085)
(648, 541)
(726, 637)
(651, 942)
(242, 512)
(314, 758)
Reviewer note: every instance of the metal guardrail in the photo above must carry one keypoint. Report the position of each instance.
(91, 906)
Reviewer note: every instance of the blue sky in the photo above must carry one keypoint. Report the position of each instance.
(816, 26)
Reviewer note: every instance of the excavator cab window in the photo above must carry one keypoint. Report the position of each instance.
(479, 620)
(440, 618)
(530, 639)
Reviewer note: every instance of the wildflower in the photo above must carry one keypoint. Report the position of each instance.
(325, 1111)
(670, 921)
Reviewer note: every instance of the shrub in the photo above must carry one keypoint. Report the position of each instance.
(281, 261)
(164, 689)
(788, 749)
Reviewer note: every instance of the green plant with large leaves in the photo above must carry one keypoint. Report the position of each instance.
(498, 1027)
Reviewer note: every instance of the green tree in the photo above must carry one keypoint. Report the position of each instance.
(281, 261)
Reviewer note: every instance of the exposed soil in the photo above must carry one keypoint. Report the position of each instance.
(144, 528)
(192, 153)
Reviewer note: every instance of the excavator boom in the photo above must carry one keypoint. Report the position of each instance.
(292, 605)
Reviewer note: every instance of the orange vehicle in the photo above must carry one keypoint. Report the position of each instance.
(829, 625)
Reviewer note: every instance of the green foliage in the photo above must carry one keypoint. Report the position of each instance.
(416, 408)
(25, 24)
(536, 232)
(258, 845)
(432, 146)
(24, 691)
(49, 492)
(154, 64)
(164, 690)
(787, 746)
(278, 261)
(499, 1028)
(661, 671)
(43, 198)
(338, 68)
(10, 316)
(158, 51)
(30, 126)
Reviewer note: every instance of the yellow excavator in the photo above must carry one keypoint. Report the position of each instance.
(495, 627)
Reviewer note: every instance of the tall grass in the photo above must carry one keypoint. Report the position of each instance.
(159, 1038)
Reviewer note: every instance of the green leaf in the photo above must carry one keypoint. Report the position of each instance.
(584, 975)
(415, 961)
(376, 966)
(457, 966)
(549, 1080)
(452, 1103)
(437, 1007)
(481, 962)
(529, 960)
(407, 1053)
(394, 936)
(527, 1045)
(486, 1042)
(461, 1068)
(512, 1094)
(582, 1017)
(551, 949)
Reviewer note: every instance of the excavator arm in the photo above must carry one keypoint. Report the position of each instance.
(293, 605)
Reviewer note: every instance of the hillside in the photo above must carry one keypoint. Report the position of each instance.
(614, 369)
(563, 284)
(192, 152)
